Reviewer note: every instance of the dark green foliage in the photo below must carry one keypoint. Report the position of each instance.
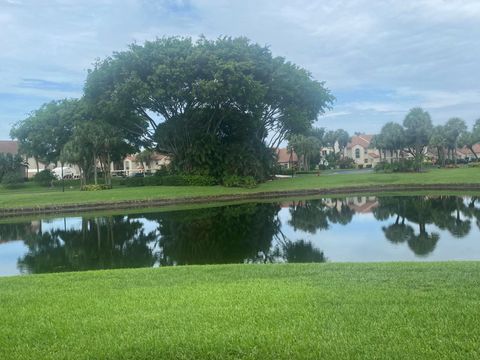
(345, 163)
(10, 163)
(97, 187)
(302, 251)
(403, 165)
(230, 234)
(224, 103)
(44, 178)
(12, 180)
(239, 181)
(170, 180)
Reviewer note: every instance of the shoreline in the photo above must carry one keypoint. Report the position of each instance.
(161, 202)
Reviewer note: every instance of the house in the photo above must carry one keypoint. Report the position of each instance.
(359, 149)
(466, 154)
(132, 165)
(286, 159)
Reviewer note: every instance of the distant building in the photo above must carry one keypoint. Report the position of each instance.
(286, 159)
(465, 153)
(359, 149)
(132, 165)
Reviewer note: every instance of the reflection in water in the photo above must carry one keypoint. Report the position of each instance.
(238, 233)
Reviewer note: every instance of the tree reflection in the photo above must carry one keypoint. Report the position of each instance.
(229, 234)
(314, 215)
(101, 243)
(446, 212)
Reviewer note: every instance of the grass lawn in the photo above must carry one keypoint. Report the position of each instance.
(318, 311)
(32, 196)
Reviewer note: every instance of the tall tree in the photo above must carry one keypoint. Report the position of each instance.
(342, 138)
(393, 138)
(44, 133)
(469, 139)
(453, 130)
(180, 95)
(418, 129)
(439, 141)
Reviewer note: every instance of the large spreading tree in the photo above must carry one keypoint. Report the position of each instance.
(216, 107)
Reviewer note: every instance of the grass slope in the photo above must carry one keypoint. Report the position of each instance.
(32, 196)
(331, 311)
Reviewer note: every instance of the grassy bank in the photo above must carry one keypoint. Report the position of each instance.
(32, 196)
(332, 311)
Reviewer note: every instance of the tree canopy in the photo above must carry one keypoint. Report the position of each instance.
(205, 102)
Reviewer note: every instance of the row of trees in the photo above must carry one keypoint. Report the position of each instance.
(418, 132)
(216, 108)
(70, 131)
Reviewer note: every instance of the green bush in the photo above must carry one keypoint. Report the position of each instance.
(12, 180)
(346, 163)
(239, 181)
(170, 180)
(133, 181)
(97, 187)
(44, 178)
(404, 165)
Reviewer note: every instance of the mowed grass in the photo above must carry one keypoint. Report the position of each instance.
(314, 311)
(32, 196)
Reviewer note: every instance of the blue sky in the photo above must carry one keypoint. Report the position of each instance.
(379, 58)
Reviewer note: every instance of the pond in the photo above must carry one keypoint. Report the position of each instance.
(352, 229)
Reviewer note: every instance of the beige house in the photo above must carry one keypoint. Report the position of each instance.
(132, 165)
(359, 149)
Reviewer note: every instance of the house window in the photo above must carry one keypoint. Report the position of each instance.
(357, 153)
(365, 161)
(365, 151)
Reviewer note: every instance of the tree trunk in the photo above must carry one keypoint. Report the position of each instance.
(95, 176)
(473, 152)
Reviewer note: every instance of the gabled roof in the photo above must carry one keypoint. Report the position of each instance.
(363, 140)
(284, 156)
(8, 147)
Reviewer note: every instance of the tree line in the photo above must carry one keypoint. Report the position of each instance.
(395, 141)
(215, 107)
(417, 133)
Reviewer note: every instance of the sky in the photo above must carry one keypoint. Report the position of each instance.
(378, 58)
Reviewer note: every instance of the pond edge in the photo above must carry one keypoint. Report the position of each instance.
(160, 202)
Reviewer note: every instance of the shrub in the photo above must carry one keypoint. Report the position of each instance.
(133, 181)
(94, 187)
(44, 178)
(404, 165)
(239, 181)
(170, 180)
(346, 163)
(12, 180)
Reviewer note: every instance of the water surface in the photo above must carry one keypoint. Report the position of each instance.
(356, 229)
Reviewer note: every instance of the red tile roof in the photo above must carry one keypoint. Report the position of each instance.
(284, 156)
(8, 147)
(363, 140)
(466, 151)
